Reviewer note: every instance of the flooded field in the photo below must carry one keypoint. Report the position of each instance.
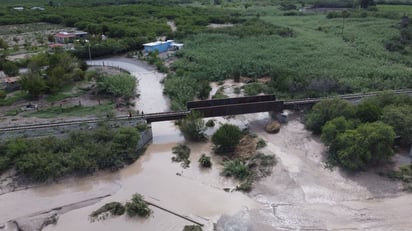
(301, 194)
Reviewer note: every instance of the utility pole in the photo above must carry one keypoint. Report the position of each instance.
(88, 46)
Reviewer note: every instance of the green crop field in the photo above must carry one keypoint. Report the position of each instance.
(396, 9)
(303, 53)
(324, 55)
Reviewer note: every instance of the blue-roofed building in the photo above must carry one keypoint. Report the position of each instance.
(161, 46)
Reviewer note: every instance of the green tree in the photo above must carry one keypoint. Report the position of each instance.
(400, 118)
(364, 146)
(33, 84)
(193, 127)
(368, 111)
(17, 147)
(40, 166)
(81, 162)
(125, 143)
(36, 62)
(56, 79)
(227, 137)
(335, 127)
(327, 110)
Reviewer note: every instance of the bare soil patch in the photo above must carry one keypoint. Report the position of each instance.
(246, 148)
(215, 25)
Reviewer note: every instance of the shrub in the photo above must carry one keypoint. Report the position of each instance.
(137, 207)
(141, 127)
(261, 144)
(112, 208)
(205, 161)
(193, 127)
(227, 137)
(254, 88)
(182, 153)
(245, 186)
(236, 168)
(121, 85)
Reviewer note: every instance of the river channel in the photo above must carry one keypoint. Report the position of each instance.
(301, 194)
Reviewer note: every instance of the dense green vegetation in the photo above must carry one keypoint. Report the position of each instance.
(80, 153)
(137, 207)
(304, 54)
(193, 127)
(316, 58)
(120, 85)
(258, 166)
(112, 209)
(403, 42)
(236, 168)
(61, 69)
(127, 26)
(226, 138)
(363, 135)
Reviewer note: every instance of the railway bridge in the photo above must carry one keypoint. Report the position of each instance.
(222, 107)
(208, 108)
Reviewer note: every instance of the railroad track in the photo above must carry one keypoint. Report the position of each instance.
(64, 123)
(346, 97)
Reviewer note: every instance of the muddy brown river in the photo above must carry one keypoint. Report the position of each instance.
(301, 194)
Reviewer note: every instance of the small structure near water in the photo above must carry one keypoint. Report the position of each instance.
(161, 46)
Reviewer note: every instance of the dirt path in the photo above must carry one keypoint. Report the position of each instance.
(172, 25)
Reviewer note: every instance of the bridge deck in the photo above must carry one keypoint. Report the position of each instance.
(229, 101)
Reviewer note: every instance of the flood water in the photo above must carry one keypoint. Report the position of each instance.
(191, 192)
(301, 194)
